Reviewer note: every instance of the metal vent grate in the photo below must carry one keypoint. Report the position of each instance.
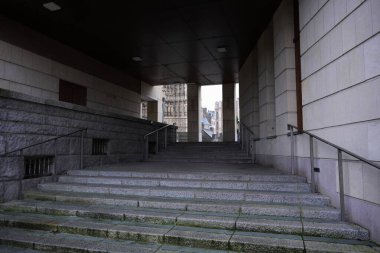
(99, 146)
(38, 166)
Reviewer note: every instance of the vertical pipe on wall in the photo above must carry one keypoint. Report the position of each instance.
(297, 56)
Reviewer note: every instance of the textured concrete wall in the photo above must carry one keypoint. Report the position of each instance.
(29, 73)
(25, 120)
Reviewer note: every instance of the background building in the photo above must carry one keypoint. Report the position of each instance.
(174, 103)
(219, 119)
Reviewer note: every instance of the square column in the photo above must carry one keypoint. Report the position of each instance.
(229, 117)
(153, 111)
(194, 126)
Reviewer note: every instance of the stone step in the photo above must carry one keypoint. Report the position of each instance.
(229, 207)
(11, 249)
(184, 155)
(116, 238)
(190, 193)
(204, 160)
(214, 184)
(49, 241)
(254, 177)
(310, 227)
(204, 152)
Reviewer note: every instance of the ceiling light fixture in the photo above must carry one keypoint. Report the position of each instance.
(137, 58)
(51, 6)
(222, 49)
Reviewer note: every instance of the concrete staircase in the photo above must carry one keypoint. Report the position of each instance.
(178, 207)
(203, 152)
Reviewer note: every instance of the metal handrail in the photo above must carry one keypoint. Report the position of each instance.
(245, 126)
(338, 147)
(245, 139)
(146, 140)
(43, 142)
(340, 162)
(157, 130)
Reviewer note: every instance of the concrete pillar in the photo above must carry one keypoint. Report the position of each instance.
(153, 111)
(194, 127)
(153, 95)
(229, 112)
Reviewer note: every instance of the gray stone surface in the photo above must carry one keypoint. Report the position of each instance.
(256, 242)
(157, 207)
(199, 237)
(28, 121)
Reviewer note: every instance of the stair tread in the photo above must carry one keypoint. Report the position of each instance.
(59, 204)
(11, 249)
(182, 180)
(237, 203)
(203, 219)
(198, 175)
(156, 188)
(216, 238)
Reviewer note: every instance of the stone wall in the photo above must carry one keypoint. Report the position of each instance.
(32, 74)
(25, 120)
(340, 52)
(340, 72)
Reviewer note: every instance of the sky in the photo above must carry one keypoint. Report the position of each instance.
(213, 93)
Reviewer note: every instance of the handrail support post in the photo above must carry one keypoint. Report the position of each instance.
(20, 181)
(341, 186)
(146, 148)
(81, 149)
(242, 136)
(292, 150)
(166, 139)
(312, 180)
(156, 143)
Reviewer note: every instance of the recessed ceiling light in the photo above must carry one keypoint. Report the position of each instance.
(51, 6)
(221, 49)
(137, 58)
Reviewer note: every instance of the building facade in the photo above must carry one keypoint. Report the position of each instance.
(174, 103)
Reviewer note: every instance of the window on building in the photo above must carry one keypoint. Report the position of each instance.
(72, 93)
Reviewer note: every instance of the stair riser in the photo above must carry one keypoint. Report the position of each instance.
(186, 194)
(333, 215)
(238, 247)
(307, 231)
(233, 161)
(193, 176)
(170, 238)
(203, 155)
(286, 187)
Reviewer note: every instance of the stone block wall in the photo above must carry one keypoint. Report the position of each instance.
(249, 95)
(32, 74)
(340, 73)
(26, 120)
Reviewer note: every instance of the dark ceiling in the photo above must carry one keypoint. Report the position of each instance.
(176, 39)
